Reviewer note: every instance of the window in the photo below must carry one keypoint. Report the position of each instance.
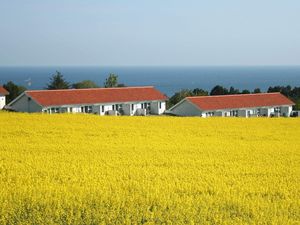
(132, 107)
(277, 109)
(258, 111)
(63, 110)
(54, 110)
(113, 107)
(160, 105)
(102, 108)
(88, 109)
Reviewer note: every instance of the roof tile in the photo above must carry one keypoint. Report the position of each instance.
(240, 101)
(95, 95)
(3, 91)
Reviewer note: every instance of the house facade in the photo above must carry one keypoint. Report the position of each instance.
(101, 101)
(242, 105)
(3, 93)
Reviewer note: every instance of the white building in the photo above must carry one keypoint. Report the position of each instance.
(3, 93)
(242, 105)
(101, 101)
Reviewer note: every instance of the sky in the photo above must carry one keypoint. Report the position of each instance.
(149, 33)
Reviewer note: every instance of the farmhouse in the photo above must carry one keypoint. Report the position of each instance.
(101, 101)
(3, 93)
(242, 105)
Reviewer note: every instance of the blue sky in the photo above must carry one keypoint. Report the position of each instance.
(156, 32)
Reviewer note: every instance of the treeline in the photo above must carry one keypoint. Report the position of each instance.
(57, 81)
(292, 93)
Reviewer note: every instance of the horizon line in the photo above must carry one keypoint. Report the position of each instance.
(217, 65)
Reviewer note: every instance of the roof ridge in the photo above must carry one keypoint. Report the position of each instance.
(83, 89)
(211, 96)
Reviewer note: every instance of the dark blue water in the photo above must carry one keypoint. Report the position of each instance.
(166, 79)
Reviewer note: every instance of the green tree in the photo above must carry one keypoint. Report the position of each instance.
(111, 81)
(297, 105)
(14, 91)
(57, 81)
(85, 84)
(233, 91)
(219, 90)
(245, 91)
(257, 90)
(178, 96)
(121, 85)
(199, 92)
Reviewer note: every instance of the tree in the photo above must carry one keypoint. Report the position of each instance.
(85, 84)
(246, 91)
(111, 81)
(178, 96)
(199, 92)
(121, 85)
(57, 81)
(219, 90)
(14, 90)
(257, 90)
(297, 105)
(295, 93)
(233, 91)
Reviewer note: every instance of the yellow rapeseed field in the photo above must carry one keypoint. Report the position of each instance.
(87, 169)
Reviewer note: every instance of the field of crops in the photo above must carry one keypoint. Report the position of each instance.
(86, 169)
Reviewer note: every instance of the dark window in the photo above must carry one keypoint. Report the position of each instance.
(132, 107)
(159, 105)
(87, 109)
(102, 108)
(54, 110)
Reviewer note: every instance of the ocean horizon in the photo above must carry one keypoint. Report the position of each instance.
(168, 79)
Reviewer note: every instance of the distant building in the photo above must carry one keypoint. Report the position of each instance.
(101, 101)
(242, 105)
(3, 93)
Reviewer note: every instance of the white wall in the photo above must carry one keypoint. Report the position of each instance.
(186, 108)
(2, 101)
(286, 110)
(158, 108)
(219, 113)
(163, 108)
(127, 109)
(242, 113)
(26, 104)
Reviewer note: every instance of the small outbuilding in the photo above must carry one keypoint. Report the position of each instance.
(3, 93)
(241, 105)
(101, 101)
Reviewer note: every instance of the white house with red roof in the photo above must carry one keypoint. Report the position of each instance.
(101, 101)
(241, 105)
(3, 93)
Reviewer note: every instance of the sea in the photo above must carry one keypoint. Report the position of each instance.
(168, 79)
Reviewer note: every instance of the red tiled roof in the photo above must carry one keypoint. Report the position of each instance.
(240, 101)
(3, 91)
(95, 95)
